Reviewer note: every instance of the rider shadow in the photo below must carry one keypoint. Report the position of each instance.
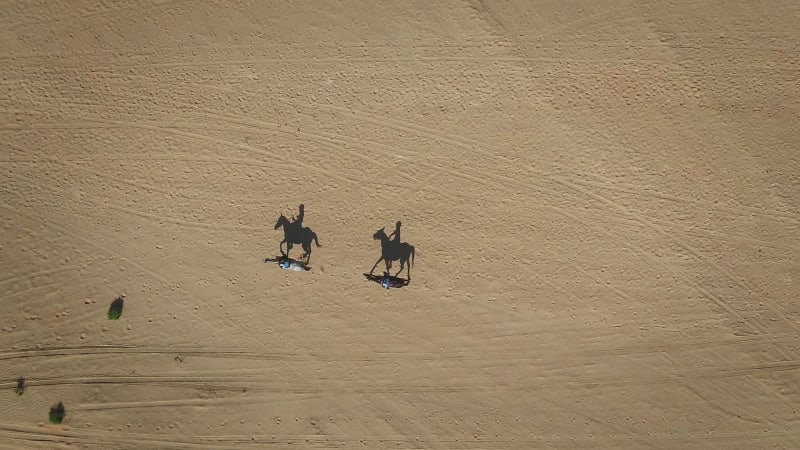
(295, 233)
(393, 249)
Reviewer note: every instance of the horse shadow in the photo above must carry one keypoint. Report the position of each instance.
(393, 249)
(295, 233)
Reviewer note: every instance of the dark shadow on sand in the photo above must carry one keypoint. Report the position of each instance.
(393, 249)
(295, 233)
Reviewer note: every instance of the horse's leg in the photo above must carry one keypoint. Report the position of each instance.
(280, 246)
(307, 249)
(408, 270)
(402, 265)
(288, 248)
(376, 265)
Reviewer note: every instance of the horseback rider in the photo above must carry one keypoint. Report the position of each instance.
(295, 233)
(284, 262)
(396, 233)
(297, 222)
(386, 280)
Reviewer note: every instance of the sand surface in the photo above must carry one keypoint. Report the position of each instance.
(604, 199)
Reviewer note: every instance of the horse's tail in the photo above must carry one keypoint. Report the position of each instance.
(412, 255)
(316, 241)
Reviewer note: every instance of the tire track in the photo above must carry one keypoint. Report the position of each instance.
(510, 182)
(468, 144)
(237, 384)
(767, 73)
(719, 302)
(748, 289)
(554, 381)
(322, 140)
(342, 146)
(705, 292)
(385, 122)
(438, 168)
(493, 42)
(371, 118)
(588, 352)
(75, 165)
(115, 438)
(142, 268)
(355, 60)
(229, 320)
(185, 223)
(325, 143)
(97, 350)
(31, 276)
(431, 133)
(133, 212)
(699, 232)
(753, 326)
(336, 142)
(73, 17)
(720, 439)
(408, 128)
(84, 169)
(34, 288)
(328, 140)
(169, 159)
(775, 308)
(742, 210)
(605, 16)
(507, 180)
(240, 146)
(519, 61)
(326, 48)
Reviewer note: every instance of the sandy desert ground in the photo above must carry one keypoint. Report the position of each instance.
(603, 198)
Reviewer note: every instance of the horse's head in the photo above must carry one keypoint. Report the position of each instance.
(380, 235)
(282, 220)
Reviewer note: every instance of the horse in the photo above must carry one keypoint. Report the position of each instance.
(296, 235)
(392, 251)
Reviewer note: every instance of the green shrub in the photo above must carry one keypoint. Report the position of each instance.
(57, 413)
(115, 310)
(20, 389)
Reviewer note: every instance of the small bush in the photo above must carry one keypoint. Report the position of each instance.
(57, 413)
(20, 389)
(115, 310)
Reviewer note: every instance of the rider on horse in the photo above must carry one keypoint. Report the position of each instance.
(297, 222)
(396, 233)
(284, 262)
(388, 281)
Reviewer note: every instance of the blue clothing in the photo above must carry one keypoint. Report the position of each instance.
(289, 264)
